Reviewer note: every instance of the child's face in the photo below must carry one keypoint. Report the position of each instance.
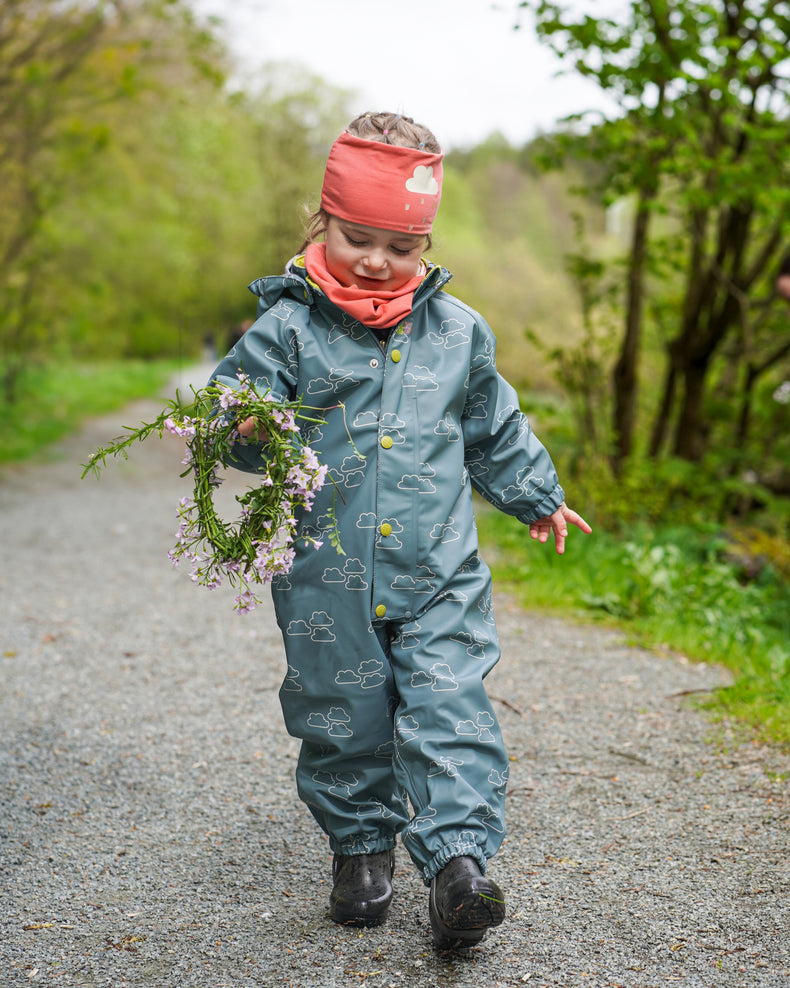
(370, 258)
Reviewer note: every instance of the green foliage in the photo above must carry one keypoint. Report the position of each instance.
(669, 588)
(159, 193)
(138, 194)
(669, 491)
(703, 92)
(503, 231)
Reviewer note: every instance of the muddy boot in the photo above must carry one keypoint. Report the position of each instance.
(463, 904)
(362, 888)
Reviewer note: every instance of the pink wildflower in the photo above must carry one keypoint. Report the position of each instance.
(185, 429)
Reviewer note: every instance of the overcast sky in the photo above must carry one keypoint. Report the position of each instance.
(457, 66)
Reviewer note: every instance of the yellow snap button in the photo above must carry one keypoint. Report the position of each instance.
(396, 355)
(386, 442)
(386, 528)
(381, 610)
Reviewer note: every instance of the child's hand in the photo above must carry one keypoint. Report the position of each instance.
(247, 427)
(557, 523)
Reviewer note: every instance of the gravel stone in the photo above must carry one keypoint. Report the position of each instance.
(150, 832)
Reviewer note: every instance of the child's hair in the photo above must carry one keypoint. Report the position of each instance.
(386, 128)
(392, 128)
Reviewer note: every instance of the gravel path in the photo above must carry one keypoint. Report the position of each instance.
(150, 833)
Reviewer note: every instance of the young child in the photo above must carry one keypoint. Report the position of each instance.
(389, 644)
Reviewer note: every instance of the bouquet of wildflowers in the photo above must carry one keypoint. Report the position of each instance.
(259, 545)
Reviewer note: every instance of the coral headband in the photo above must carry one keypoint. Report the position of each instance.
(382, 185)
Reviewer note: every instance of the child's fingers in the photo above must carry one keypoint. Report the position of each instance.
(560, 534)
(247, 427)
(577, 520)
(540, 532)
(558, 524)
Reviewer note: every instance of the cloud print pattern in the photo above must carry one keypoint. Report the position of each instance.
(388, 646)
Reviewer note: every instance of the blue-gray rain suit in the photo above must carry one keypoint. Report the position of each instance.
(388, 645)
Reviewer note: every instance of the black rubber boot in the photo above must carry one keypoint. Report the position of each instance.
(463, 904)
(362, 888)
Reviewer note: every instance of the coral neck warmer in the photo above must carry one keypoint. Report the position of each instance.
(371, 308)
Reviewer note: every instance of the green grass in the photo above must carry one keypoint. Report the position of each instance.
(54, 399)
(670, 589)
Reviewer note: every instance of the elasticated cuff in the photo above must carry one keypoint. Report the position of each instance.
(458, 849)
(362, 846)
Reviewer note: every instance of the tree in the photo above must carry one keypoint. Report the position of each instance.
(62, 64)
(139, 194)
(703, 91)
(41, 53)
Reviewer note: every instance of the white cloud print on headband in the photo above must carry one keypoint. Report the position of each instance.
(422, 182)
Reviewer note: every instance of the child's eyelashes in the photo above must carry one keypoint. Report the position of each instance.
(360, 244)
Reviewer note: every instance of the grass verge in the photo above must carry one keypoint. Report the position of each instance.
(671, 589)
(54, 399)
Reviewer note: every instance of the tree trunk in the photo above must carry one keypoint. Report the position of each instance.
(745, 410)
(691, 428)
(660, 430)
(624, 377)
(717, 292)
